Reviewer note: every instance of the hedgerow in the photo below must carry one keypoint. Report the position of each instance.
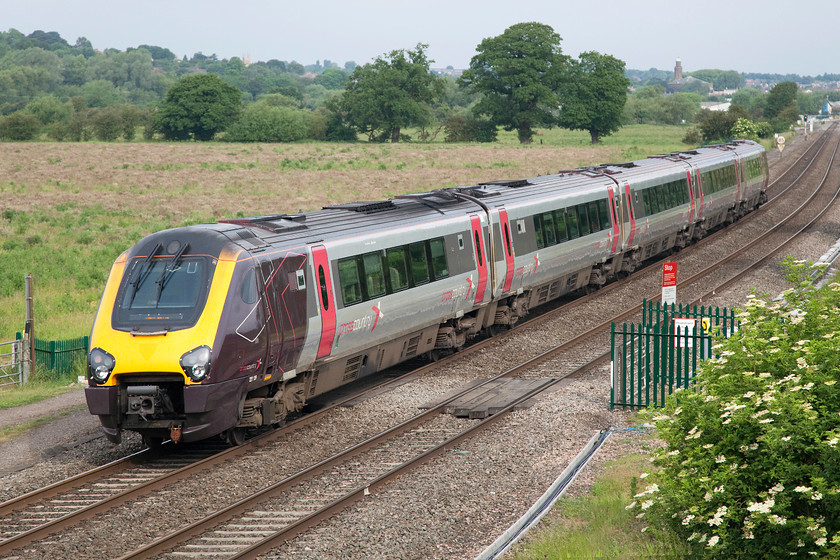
(750, 466)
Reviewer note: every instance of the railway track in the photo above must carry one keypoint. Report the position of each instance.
(370, 485)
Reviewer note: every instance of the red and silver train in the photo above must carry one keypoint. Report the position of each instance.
(228, 327)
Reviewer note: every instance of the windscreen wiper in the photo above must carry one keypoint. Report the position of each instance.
(142, 274)
(168, 271)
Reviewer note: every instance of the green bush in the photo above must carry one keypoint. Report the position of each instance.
(19, 127)
(751, 463)
(469, 129)
(261, 122)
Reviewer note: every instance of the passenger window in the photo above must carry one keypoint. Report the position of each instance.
(560, 222)
(439, 266)
(348, 277)
(594, 220)
(419, 264)
(374, 278)
(397, 270)
(538, 230)
(604, 214)
(583, 219)
(572, 224)
(548, 229)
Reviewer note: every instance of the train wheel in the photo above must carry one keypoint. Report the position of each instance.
(235, 436)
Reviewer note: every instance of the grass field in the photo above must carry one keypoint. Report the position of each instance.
(67, 210)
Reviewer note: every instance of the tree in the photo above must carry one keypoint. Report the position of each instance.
(593, 94)
(518, 73)
(782, 95)
(752, 100)
(332, 78)
(390, 93)
(198, 106)
(716, 125)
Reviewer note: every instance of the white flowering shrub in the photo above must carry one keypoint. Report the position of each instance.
(751, 462)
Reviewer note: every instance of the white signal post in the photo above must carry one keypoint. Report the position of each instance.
(669, 283)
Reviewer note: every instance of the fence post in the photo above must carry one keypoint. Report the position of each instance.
(612, 365)
(29, 329)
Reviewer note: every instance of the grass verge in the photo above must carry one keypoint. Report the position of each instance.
(11, 432)
(34, 391)
(597, 525)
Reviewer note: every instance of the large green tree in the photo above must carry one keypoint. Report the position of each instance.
(198, 106)
(592, 94)
(780, 97)
(392, 92)
(518, 73)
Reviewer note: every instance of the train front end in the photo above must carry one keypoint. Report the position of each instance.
(155, 364)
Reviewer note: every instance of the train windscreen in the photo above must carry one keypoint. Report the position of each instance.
(163, 294)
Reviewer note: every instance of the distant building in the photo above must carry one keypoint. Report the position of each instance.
(715, 105)
(688, 84)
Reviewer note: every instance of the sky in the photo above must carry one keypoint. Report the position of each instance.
(767, 36)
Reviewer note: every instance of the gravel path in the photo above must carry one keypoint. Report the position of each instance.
(451, 508)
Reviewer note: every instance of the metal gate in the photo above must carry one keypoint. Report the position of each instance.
(11, 363)
(658, 356)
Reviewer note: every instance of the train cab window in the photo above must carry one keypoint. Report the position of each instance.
(583, 219)
(604, 214)
(419, 264)
(437, 250)
(248, 290)
(560, 224)
(572, 224)
(548, 229)
(397, 269)
(348, 276)
(374, 277)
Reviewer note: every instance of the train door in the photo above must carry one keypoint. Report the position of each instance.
(267, 273)
(691, 197)
(326, 301)
(629, 219)
(480, 257)
(507, 248)
(615, 216)
(292, 313)
(698, 193)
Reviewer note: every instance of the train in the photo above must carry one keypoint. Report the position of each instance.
(225, 329)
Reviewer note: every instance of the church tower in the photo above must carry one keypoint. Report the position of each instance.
(678, 70)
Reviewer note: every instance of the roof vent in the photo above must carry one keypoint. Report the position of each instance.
(363, 207)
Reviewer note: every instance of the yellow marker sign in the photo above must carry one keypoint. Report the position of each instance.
(706, 325)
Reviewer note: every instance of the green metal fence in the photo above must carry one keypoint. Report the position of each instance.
(60, 356)
(654, 358)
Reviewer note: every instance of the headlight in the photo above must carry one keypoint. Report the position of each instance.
(196, 363)
(100, 365)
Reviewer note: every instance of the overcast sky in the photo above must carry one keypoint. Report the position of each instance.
(776, 36)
